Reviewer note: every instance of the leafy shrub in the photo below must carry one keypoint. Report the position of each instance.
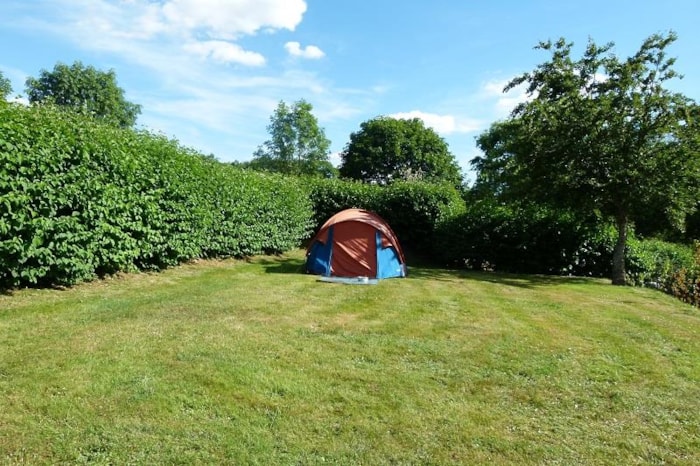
(79, 199)
(331, 195)
(673, 268)
(416, 209)
(412, 208)
(651, 262)
(535, 239)
(525, 239)
(257, 212)
(42, 235)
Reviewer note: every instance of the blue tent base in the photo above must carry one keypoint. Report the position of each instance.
(350, 280)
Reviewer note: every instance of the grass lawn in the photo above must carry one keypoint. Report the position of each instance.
(238, 362)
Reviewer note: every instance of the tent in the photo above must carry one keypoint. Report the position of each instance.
(355, 243)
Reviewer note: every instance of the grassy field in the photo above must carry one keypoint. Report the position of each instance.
(237, 362)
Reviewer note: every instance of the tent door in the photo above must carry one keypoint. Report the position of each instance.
(388, 264)
(320, 255)
(354, 246)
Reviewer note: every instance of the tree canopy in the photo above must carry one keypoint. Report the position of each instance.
(297, 145)
(5, 87)
(86, 90)
(387, 149)
(599, 134)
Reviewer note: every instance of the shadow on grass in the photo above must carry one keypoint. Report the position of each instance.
(281, 265)
(295, 266)
(520, 281)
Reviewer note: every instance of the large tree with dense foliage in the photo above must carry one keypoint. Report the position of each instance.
(387, 149)
(297, 144)
(599, 134)
(84, 89)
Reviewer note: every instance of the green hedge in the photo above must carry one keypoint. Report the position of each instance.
(670, 267)
(331, 195)
(415, 211)
(525, 239)
(535, 239)
(79, 199)
(412, 209)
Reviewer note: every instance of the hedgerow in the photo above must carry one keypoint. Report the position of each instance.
(413, 209)
(331, 195)
(525, 238)
(531, 238)
(79, 199)
(671, 267)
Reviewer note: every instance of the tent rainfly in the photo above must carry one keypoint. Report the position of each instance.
(356, 243)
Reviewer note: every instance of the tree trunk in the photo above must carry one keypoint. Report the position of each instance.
(618, 261)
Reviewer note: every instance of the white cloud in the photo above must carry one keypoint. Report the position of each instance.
(226, 19)
(116, 25)
(224, 52)
(335, 158)
(19, 100)
(493, 88)
(505, 102)
(443, 124)
(148, 23)
(310, 51)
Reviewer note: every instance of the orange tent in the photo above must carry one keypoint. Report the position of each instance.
(356, 243)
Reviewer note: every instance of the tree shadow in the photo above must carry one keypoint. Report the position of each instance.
(5, 291)
(501, 278)
(286, 265)
(295, 266)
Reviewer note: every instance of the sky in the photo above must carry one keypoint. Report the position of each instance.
(210, 73)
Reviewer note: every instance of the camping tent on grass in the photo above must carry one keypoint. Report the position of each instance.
(355, 243)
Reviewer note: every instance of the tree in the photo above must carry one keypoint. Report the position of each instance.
(497, 173)
(297, 145)
(84, 89)
(388, 149)
(600, 134)
(5, 87)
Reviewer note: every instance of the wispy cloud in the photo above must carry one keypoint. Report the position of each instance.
(442, 124)
(209, 19)
(208, 28)
(224, 52)
(503, 102)
(310, 51)
(231, 19)
(470, 112)
(460, 117)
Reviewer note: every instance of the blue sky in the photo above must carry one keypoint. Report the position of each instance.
(210, 72)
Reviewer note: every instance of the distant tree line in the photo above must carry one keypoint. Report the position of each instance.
(382, 151)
